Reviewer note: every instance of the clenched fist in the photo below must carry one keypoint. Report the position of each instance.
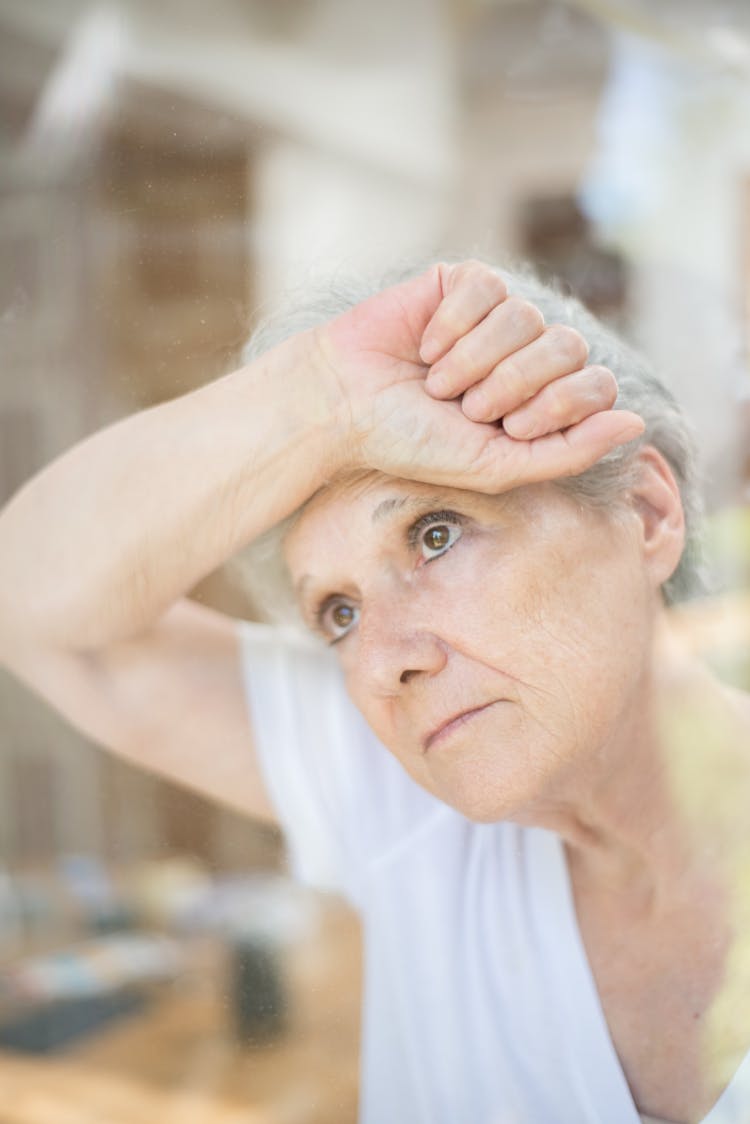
(449, 379)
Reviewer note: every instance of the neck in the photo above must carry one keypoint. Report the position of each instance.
(658, 804)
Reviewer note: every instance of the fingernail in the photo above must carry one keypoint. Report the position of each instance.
(627, 435)
(522, 430)
(437, 382)
(476, 402)
(429, 349)
(630, 431)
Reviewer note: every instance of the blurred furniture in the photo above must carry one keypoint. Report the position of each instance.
(46, 1002)
(179, 1062)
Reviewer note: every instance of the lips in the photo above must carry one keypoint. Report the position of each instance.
(448, 725)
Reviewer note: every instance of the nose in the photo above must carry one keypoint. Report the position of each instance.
(395, 644)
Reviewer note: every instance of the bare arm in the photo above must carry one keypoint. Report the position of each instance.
(170, 700)
(97, 551)
(99, 544)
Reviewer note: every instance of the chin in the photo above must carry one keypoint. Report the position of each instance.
(480, 799)
(489, 787)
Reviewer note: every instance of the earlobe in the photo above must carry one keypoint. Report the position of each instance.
(658, 505)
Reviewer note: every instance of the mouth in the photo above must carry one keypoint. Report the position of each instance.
(449, 725)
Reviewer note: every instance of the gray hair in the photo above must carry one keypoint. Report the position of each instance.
(603, 485)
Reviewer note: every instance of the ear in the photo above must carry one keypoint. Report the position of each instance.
(658, 506)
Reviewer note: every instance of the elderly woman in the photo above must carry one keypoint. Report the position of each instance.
(552, 861)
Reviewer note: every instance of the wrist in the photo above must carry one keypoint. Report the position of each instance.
(309, 408)
(325, 397)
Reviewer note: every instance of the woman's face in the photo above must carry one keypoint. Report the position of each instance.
(495, 645)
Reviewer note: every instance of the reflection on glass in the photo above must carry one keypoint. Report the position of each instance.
(169, 176)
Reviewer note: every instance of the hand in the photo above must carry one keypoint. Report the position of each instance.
(429, 367)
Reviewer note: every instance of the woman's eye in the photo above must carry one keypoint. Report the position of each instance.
(336, 618)
(438, 538)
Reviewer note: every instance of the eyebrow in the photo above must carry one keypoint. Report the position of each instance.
(398, 504)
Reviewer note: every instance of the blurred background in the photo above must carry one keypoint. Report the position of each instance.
(167, 170)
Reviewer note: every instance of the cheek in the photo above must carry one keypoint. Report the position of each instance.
(586, 647)
(572, 633)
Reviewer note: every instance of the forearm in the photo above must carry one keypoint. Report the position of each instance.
(101, 542)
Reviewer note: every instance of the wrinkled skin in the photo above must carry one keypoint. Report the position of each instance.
(540, 606)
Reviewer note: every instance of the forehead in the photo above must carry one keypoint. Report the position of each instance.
(354, 510)
(373, 498)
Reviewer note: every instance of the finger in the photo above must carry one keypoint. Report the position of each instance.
(509, 463)
(563, 403)
(507, 328)
(471, 290)
(558, 351)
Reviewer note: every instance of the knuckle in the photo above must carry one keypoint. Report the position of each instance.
(483, 278)
(556, 404)
(524, 315)
(466, 354)
(451, 321)
(456, 272)
(453, 275)
(511, 378)
(605, 384)
(491, 283)
(569, 343)
(462, 270)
